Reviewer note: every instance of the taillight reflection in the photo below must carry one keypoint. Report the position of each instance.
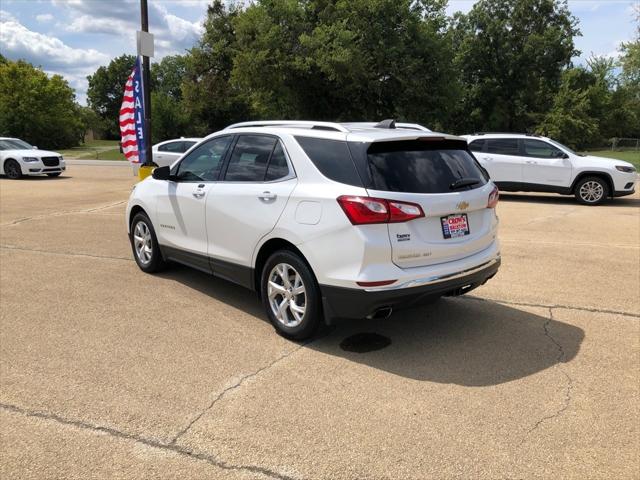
(493, 198)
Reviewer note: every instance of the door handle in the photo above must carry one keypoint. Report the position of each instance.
(199, 192)
(531, 162)
(266, 196)
(486, 158)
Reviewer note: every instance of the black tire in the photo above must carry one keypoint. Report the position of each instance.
(12, 169)
(57, 174)
(591, 191)
(312, 317)
(155, 262)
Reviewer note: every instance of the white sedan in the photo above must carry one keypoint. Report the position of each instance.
(18, 158)
(167, 152)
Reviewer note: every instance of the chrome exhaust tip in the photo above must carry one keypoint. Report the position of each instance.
(381, 313)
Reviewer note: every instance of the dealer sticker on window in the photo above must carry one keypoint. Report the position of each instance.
(454, 226)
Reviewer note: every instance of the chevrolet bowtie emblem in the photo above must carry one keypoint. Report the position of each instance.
(462, 206)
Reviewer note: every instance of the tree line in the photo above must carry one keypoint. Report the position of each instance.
(503, 66)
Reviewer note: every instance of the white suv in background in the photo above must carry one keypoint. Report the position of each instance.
(324, 220)
(18, 158)
(530, 163)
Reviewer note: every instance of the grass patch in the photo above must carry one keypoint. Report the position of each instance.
(627, 156)
(95, 150)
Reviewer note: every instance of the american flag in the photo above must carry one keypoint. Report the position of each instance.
(132, 117)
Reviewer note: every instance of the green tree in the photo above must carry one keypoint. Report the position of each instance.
(37, 108)
(569, 119)
(345, 59)
(511, 55)
(210, 100)
(106, 87)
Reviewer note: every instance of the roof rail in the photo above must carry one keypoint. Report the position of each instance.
(291, 123)
(506, 133)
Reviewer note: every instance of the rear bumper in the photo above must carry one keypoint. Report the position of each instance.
(340, 302)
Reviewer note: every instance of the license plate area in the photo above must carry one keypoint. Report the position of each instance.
(455, 226)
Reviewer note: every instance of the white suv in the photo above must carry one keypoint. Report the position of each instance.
(531, 163)
(325, 221)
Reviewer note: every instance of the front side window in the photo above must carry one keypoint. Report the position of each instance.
(540, 149)
(187, 145)
(503, 146)
(204, 162)
(477, 145)
(248, 162)
(172, 147)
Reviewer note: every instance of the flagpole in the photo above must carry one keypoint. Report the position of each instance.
(146, 83)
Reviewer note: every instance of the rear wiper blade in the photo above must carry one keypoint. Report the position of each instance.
(463, 182)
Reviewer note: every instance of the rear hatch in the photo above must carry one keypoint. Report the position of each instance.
(452, 189)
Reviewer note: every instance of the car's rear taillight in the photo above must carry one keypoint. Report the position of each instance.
(368, 210)
(493, 198)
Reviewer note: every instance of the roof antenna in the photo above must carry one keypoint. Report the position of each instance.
(388, 123)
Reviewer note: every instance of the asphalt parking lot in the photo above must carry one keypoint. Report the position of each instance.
(106, 372)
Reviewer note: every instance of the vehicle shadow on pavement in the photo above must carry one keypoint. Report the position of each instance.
(464, 341)
(566, 200)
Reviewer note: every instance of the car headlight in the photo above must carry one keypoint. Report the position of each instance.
(61, 158)
(625, 169)
(30, 159)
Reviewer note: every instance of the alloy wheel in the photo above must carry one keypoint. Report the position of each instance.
(12, 169)
(287, 295)
(143, 242)
(591, 191)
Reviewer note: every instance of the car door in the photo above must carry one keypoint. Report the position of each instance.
(502, 160)
(181, 206)
(168, 152)
(247, 203)
(545, 164)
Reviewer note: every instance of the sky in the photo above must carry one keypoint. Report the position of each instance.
(74, 37)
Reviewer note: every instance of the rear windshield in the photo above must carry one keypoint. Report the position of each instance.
(421, 167)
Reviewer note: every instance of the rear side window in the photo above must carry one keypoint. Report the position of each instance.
(503, 146)
(420, 167)
(249, 159)
(332, 158)
(477, 145)
(278, 167)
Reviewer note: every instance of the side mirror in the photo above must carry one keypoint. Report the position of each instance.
(162, 173)
(34, 147)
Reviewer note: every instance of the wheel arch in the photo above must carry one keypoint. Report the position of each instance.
(266, 250)
(594, 173)
(134, 211)
(4, 162)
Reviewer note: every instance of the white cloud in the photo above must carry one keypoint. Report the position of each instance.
(50, 53)
(44, 17)
(7, 17)
(173, 33)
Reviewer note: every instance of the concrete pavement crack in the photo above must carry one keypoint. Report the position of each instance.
(569, 381)
(11, 247)
(236, 385)
(562, 307)
(150, 442)
(64, 212)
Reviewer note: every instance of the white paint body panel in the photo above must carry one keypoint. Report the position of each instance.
(233, 223)
(551, 172)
